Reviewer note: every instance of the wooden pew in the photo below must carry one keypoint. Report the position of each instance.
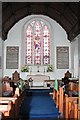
(58, 98)
(16, 99)
(5, 100)
(7, 109)
(68, 106)
(21, 94)
(16, 102)
(55, 96)
(1, 115)
(6, 89)
(71, 107)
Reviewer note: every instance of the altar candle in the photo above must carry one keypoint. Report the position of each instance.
(30, 69)
(44, 69)
(73, 75)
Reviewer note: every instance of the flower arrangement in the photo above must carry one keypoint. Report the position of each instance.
(25, 68)
(50, 68)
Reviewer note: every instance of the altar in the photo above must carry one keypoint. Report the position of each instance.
(38, 78)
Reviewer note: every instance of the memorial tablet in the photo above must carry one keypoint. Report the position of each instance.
(12, 57)
(62, 57)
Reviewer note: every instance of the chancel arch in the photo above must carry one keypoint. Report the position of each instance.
(50, 32)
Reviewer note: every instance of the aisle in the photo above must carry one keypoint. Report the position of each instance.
(38, 105)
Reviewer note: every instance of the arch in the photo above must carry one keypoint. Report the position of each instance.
(63, 13)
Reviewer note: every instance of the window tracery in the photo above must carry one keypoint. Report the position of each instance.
(38, 43)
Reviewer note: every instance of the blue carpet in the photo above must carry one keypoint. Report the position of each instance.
(38, 104)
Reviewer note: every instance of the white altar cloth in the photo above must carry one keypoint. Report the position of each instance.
(38, 80)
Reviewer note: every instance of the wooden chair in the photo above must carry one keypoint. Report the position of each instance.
(68, 74)
(16, 76)
(65, 80)
(73, 87)
(15, 80)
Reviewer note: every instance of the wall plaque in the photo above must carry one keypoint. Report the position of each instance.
(62, 57)
(12, 57)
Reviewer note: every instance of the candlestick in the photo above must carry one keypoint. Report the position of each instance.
(30, 70)
(44, 70)
(38, 69)
(73, 75)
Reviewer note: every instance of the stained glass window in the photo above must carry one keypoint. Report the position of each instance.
(46, 46)
(28, 45)
(37, 43)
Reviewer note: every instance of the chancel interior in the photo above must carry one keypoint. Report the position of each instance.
(40, 61)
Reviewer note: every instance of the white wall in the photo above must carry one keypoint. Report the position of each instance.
(13, 39)
(1, 55)
(78, 46)
(1, 69)
(58, 38)
(75, 55)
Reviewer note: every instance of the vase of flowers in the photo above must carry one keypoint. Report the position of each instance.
(50, 68)
(25, 68)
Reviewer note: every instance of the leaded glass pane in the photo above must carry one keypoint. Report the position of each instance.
(37, 43)
(29, 45)
(46, 46)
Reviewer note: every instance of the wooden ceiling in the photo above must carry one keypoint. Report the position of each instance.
(67, 14)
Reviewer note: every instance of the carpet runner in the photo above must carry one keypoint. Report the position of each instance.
(38, 105)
